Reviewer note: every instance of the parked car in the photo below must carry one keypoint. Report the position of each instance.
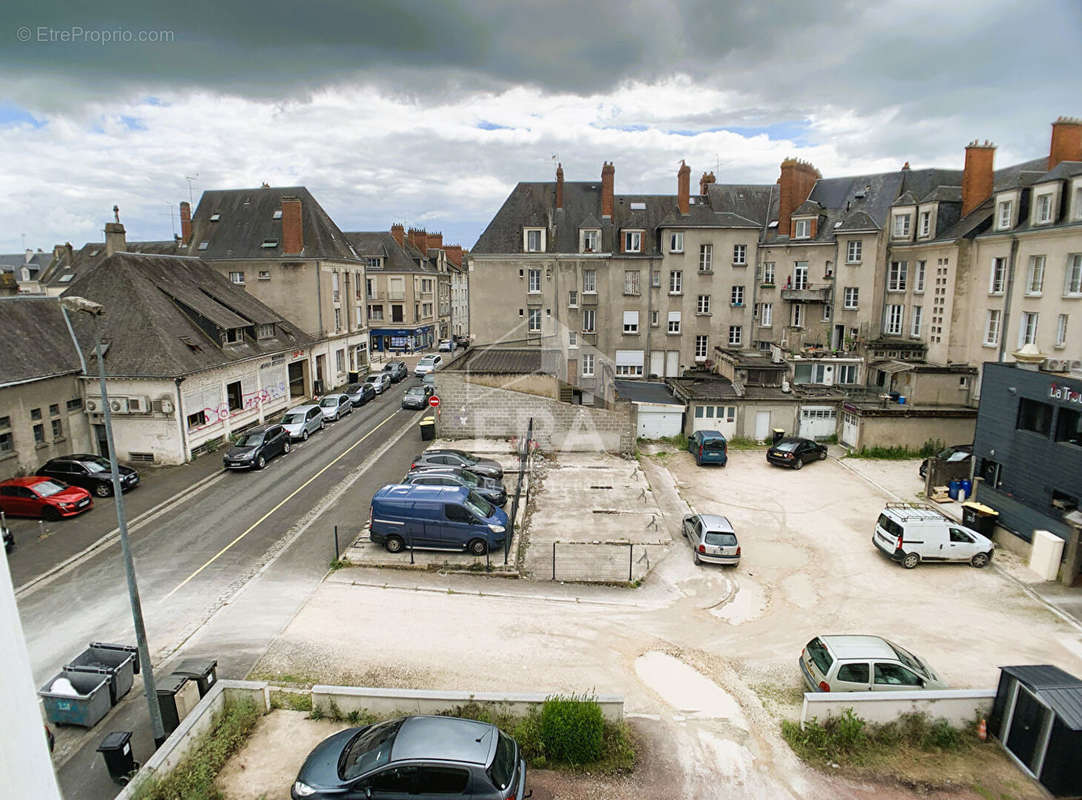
(708, 447)
(911, 533)
(442, 517)
(415, 397)
(256, 446)
(335, 406)
(863, 664)
(446, 346)
(422, 757)
(712, 539)
(439, 457)
(89, 472)
(303, 421)
(491, 490)
(956, 454)
(397, 370)
(428, 364)
(38, 496)
(429, 382)
(360, 393)
(381, 382)
(794, 452)
(462, 341)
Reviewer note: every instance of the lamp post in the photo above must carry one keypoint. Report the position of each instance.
(151, 691)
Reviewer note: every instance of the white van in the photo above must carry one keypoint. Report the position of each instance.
(912, 532)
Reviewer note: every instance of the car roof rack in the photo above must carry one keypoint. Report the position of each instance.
(909, 511)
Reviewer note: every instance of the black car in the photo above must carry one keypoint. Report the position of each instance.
(457, 458)
(415, 397)
(956, 454)
(256, 446)
(489, 488)
(360, 393)
(89, 472)
(397, 370)
(416, 757)
(794, 451)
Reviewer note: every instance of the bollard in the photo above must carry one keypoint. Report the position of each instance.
(41, 529)
(336, 555)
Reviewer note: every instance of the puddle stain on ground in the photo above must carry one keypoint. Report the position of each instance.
(687, 690)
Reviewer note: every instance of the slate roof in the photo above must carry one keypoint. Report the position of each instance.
(396, 257)
(646, 392)
(60, 275)
(712, 388)
(36, 261)
(46, 351)
(1061, 172)
(499, 361)
(164, 314)
(247, 220)
(1060, 690)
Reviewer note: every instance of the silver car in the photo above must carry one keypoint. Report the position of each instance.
(428, 364)
(303, 421)
(712, 539)
(863, 664)
(381, 381)
(335, 406)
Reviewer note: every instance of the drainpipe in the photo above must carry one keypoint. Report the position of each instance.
(1007, 299)
(182, 422)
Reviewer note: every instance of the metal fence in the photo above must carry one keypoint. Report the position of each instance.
(599, 562)
(525, 461)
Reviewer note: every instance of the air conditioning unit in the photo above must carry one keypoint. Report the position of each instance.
(92, 405)
(139, 405)
(1054, 365)
(167, 405)
(1075, 365)
(118, 405)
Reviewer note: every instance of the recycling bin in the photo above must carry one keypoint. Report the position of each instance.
(84, 708)
(204, 671)
(428, 428)
(117, 664)
(127, 648)
(177, 696)
(980, 518)
(116, 749)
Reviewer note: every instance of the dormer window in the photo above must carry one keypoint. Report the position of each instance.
(802, 229)
(632, 241)
(269, 244)
(264, 330)
(277, 213)
(1044, 208)
(533, 240)
(925, 223)
(233, 335)
(204, 245)
(590, 241)
(901, 225)
(1077, 203)
(1004, 214)
(215, 217)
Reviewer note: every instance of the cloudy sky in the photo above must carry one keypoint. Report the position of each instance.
(429, 111)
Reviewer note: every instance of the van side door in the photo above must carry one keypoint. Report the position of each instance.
(962, 546)
(417, 515)
(932, 541)
(457, 527)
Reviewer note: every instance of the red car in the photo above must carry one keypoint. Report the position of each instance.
(48, 498)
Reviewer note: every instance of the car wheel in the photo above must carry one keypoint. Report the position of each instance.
(477, 547)
(798, 463)
(286, 447)
(304, 436)
(394, 544)
(698, 461)
(980, 560)
(911, 560)
(260, 462)
(321, 424)
(103, 490)
(50, 514)
(823, 455)
(695, 555)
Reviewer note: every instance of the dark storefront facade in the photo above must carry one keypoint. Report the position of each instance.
(402, 339)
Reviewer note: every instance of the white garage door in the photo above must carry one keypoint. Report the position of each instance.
(818, 422)
(656, 421)
(850, 429)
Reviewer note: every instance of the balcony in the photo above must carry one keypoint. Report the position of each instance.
(811, 294)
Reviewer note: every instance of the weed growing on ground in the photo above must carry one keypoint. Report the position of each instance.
(926, 450)
(744, 443)
(291, 701)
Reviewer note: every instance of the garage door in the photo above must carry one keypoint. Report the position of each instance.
(850, 429)
(818, 422)
(656, 421)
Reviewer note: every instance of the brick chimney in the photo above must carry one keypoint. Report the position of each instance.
(292, 226)
(977, 177)
(683, 188)
(454, 254)
(115, 239)
(796, 182)
(608, 180)
(559, 186)
(707, 179)
(399, 233)
(435, 240)
(1066, 141)
(185, 222)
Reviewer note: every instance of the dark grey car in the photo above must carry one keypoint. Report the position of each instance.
(256, 446)
(489, 488)
(360, 393)
(415, 397)
(89, 472)
(458, 458)
(396, 370)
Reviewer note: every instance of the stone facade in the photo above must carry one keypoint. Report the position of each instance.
(42, 419)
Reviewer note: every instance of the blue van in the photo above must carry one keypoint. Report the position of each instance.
(708, 447)
(438, 517)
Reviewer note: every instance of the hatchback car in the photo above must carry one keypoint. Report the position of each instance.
(958, 454)
(863, 664)
(302, 421)
(794, 452)
(256, 446)
(335, 406)
(712, 539)
(485, 467)
(360, 393)
(489, 488)
(416, 757)
(446, 346)
(38, 496)
(90, 472)
(415, 397)
(428, 364)
(397, 370)
(708, 447)
(381, 382)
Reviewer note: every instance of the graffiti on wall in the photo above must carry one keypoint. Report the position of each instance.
(213, 415)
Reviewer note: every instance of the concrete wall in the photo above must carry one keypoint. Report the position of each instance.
(540, 385)
(913, 432)
(17, 403)
(934, 388)
(958, 706)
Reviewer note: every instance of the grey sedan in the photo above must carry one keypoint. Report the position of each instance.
(335, 406)
(712, 539)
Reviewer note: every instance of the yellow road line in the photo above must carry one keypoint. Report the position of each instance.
(285, 500)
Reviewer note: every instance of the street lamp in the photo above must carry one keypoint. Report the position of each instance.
(96, 309)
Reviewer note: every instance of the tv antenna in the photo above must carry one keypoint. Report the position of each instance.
(189, 179)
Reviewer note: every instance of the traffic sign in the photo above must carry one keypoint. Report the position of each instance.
(434, 401)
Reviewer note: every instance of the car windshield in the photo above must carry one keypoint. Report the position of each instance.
(329, 402)
(415, 391)
(479, 505)
(713, 444)
(353, 388)
(820, 655)
(786, 447)
(367, 750)
(502, 770)
(908, 658)
(368, 386)
(889, 525)
(293, 419)
(958, 455)
(95, 465)
(468, 478)
(427, 361)
(48, 488)
(250, 439)
(719, 538)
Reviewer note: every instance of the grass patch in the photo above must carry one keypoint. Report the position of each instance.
(193, 778)
(926, 450)
(680, 441)
(291, 701)
(295, 679)
(744, 443)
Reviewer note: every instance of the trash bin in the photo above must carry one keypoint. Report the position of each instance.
(204, 671)
(116, 749)
(953, 487)
(354, 377)
(967, 489)
(85, 708)
(980, 518)
(779, 434)
(127, 648)
(177, 696)
(117, 664)
(428, 428)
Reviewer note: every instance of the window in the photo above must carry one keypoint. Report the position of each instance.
(918, 278)
(740, 254)
(768, 273)
(398, 312)
(58, 429)
(851, 297)
(894, 320)
(572, 339)
(828, 310)
(632, 241)
(590, 239)
(1073, 281)
(852, 251)
(1035, 276)
(631, 322)
(264, 330)
(236, 277)
(375, 313)
(736, 335)
(359, 317)
(39, 434)
(589, 281)
(588, 320)
(896, 675)
(336, 294)
(706, 257)
(340, 360)
(535, 240)
(233, 335)
(896, 276)
(197, 419)
(7, 443)
(573, 298)
(701, 346)
(204, 245)
(533, 284)
(54, 410)
(587, 365)
(535, 320)
(766, 315)
(1044, 208)
(75, 404)
(676, 282)
(925, 223)
(736, 295)
(703, 305)
(655, 278)
(1078, 203)
(853, 673)
(338, 319)
(914, 325)
(674, 322)
(1034, 416)
(1061, 330)
(676, 242)
(426, 283)
(1027, 329)
(631, 281)
(991, 327)
(234, 396)
(846, 373)
(629, 363)
(1005, 211)
(797, 318)
(901, 225)
(1069, 426)
(269, 244)
(802, 229)
(655, 317)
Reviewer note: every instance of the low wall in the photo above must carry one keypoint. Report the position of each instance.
(388, 702)
(957, 706)
(897, 430)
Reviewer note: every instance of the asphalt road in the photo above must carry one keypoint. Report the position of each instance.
(220, 573)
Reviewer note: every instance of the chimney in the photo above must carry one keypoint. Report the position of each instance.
(707, 179)
(292, 226)
(796, 182)
(115, 240)
(977, 177)
(683, 188)
(608, 179)
(559, 186)
(185, 222)
(418, 237)
(435, 240)
(399, 233)
(454, 254)
(1066, 141)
